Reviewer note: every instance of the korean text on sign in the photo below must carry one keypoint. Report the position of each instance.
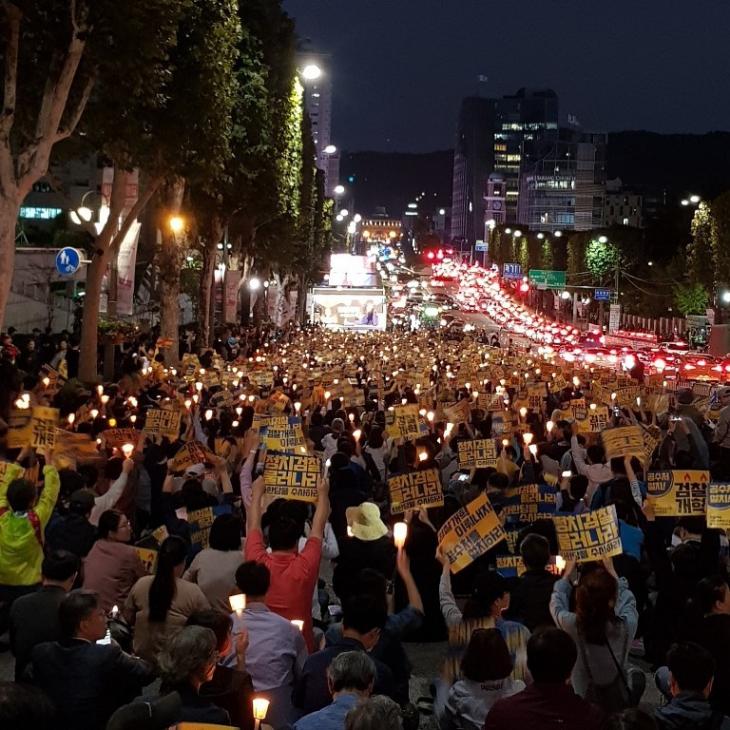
(590, 536)
(417, 489)
(625, 441)
(292, 477)
(477, 454)
(470, 532)
(43, 427)
(679, 493)
(163, 422)
(284, 434)
(406, 422)
(718, 506)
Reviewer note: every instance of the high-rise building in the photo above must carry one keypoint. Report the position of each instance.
(562, 182)
(473, 162)
(623, 207)
(521, 120)
(317, 80)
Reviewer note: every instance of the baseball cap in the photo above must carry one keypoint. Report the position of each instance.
(196, 470)
(156, 715)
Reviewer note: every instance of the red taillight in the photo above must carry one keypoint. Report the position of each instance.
(429, 255)
(524, 287)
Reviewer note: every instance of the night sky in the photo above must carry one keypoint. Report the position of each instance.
(401, 67)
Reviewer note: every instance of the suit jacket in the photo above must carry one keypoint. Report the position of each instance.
(86, 681)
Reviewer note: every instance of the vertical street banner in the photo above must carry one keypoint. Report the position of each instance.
(470, 532)
(126, 263)
(163, 422)
(43, 424)
(416, 489)
(624, 441)
(292, 477)
(477, 454)
(718, 506)
(679, 493)
(230, 296)
(590, 536)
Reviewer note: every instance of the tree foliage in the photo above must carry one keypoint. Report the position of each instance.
(601, 259)
(700, 254)
(720, 238)
(691, 298)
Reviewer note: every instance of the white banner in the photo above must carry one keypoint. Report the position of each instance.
(126, 261)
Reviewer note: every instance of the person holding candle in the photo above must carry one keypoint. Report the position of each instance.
(112, 566)
(276, 651)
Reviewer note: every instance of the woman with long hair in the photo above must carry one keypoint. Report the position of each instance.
(158, 606)
(603, 627)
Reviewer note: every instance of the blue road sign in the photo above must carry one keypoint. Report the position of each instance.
(512, 271)
(68, 261)
(603, 295)
(480, 246)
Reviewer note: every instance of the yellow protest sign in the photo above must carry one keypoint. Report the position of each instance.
(43, 427)
(192, 452)
(590, 536)
(718, 506)
(148, 558)
(115, 438)
(284, 434)
(478, 454)
(470, 532)
(19, 428)
(458, 412)
(596, 421)
(404, 422)
(679, 493)
(77, 447)
(200, 521)
(624, 441)
(416, 489)
(535, 394)
(163, 422)
(510, 565)
(528, 502)
(292, 477)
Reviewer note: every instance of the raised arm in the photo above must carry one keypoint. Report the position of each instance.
(322, 511)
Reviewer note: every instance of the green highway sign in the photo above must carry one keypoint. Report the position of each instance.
(547, 279)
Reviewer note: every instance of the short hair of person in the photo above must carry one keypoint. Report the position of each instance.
(709, 591)
(489, 586)
(187, 654)
(596, 454)
(21, 495)
(351, 670)
(75, 607)
(535, 551)
(363, 613)
(60, 565)
(24, 706)
(691, 665)
(630, 719)
(375, 713)
(498, 480)
(219, 622)
(225, 533)
(108, 522)
(551, 656)
(253, 578)
(487, 657)
(284, 533)
(113, 468)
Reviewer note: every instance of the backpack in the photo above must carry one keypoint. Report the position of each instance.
(615, 695)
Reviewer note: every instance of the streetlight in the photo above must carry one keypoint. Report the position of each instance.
(344, 212)
(339, 190)
(541, 236)
(508, 231)
(311, 72)
(694, 199)
(725, 297)
(254, 284)
(602, 239)
(176, 223)
(518, 234)
(357, 217)
(330, 149)
(557, 234)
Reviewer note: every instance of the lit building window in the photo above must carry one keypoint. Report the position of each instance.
(39, 213)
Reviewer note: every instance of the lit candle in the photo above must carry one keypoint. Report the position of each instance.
(505, 442)
(527, 438)
(100, 389)
(533, 449)
(94, 413)
(104, 399)
(238, 603)
(400, 532)
(593, 406)
(133, 418)
(549, 426)
(352, 417)
(430, 416)
(46, 382)
(523, 412)
(260, 708)
(560, 563)
(297, 407)
(208, 414)
(422, 455)
(356, 434)
(198, 386)
(327, 395)
(112, 423)
(71, 419)
(127, 450)
(449, 428)
(188, 403)
(115, 611)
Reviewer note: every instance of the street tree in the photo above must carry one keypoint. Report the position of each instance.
(54, 54)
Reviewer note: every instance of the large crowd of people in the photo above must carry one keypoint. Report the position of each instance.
(155, 569)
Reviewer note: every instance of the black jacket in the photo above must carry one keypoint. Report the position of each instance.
(530, 599)
(86, 681)
(71, 532)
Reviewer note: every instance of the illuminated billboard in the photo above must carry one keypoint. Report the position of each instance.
(349, 270)
(360, 309)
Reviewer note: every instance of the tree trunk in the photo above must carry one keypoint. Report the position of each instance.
(170, 264)
(207, 299)
(89, 356)
(9, 210)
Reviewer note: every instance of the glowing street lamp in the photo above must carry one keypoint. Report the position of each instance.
(330, 149)
(311, 72)
(339, 190)
(176, 223)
